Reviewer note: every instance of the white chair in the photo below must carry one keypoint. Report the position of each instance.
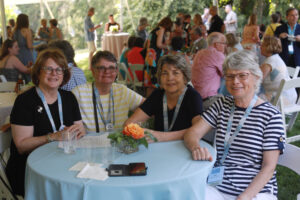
(134, 68)
(7, 86)
(293, 71)
(126, 79)
(291, 159)
(290, 110)
(2, 78)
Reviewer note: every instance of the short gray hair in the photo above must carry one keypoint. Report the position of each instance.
(177, 61)
(244, 60)
(214, 37)
(197, 30)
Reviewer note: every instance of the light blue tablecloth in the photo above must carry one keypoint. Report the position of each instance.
(172, 175)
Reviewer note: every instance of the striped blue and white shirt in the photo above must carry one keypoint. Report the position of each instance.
(262, 131)
(77, 78)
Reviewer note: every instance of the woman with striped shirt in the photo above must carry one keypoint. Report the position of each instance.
(249, 135)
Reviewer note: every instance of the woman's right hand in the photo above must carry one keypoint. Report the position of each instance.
(199, 153)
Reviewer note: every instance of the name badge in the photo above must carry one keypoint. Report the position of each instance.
(216, 176)
(291, 48)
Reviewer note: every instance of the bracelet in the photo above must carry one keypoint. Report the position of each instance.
(49, 139)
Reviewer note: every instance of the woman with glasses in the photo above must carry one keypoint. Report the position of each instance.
(41, 114)
(105, 105)
(249, 135)
(175, 106)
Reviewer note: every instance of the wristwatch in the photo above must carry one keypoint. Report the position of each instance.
(49, 139)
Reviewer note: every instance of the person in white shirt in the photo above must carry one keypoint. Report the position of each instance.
(230, 20)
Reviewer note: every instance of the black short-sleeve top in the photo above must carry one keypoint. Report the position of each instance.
(28, 110)
(191, 106)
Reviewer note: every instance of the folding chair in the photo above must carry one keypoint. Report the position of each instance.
(293, 71)
(290, 109)
(124, 75)
(5, 188)
(291, 159)
(134, 68)
(7, 86)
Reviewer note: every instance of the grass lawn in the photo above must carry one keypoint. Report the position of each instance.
(288, 181)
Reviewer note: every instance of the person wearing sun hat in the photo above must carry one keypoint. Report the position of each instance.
(141, 29)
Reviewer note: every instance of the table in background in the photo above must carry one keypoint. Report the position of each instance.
(172, 174)
(114, 42)
(7, 100)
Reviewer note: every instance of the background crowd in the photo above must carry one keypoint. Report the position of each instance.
(199, 73)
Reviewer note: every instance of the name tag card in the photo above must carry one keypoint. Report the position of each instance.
(216, 176)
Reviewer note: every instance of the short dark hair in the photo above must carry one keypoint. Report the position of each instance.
(130, 42)
(139, 42)
(187, 16)
(275, 18)
(53, 22)
(65, 47)
(103, 55)
(58, 57)
(177, 43)
(289, 10)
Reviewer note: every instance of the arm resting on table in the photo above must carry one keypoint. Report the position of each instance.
(270, 159)
(192, 137)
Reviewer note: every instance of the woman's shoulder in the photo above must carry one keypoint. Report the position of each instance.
(27, 95)
(267, 108)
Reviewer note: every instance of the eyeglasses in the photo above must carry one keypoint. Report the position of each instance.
(109, 69)
(50, 70)
(240, 76)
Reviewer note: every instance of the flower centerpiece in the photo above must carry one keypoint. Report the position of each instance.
(114, 29)
(128, 140)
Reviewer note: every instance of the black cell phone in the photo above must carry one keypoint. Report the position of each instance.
(137, 169)
(133, 169)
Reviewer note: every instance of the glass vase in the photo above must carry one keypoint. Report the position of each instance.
(125, 147)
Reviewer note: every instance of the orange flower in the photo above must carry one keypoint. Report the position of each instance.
(134, 131)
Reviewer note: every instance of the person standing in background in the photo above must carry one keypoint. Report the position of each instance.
(141, 29)
(289, 35)
(23, 35)
(216, 23)
(89, 32)
(230, 20)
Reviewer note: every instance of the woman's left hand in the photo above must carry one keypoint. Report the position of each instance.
(78, 129)
(154, 133)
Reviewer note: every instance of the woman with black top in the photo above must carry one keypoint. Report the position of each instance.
(175, 106)
(41, 114)
(110, 23)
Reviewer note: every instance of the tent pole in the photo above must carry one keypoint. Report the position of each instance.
(3, 20)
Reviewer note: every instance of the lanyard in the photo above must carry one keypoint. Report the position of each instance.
(100, 107)
(228, 139)
(165, 111)
(41, 95)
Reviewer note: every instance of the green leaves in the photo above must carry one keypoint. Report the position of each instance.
(118, 137)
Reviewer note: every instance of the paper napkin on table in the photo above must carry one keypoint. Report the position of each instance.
(93, 172)
(80, 165)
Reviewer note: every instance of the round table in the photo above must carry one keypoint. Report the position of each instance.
(114, 42)
(171, 174)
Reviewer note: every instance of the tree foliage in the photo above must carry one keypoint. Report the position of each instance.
(71, 14)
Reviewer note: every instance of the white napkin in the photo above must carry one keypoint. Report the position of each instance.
(93, 172)
(80, 165)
